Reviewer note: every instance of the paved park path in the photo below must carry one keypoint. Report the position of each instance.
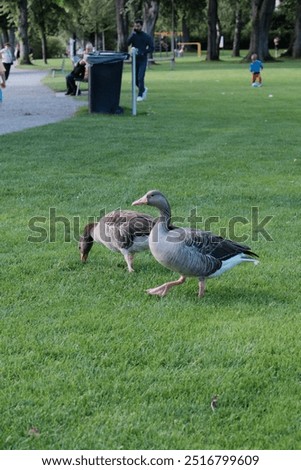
(28, 103)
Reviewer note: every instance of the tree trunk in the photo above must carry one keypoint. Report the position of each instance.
(44, 46)
(237, 31)
(43, 38)
(262, 12)
(122, 25)
(185, 29)
(297, 40)
(212, 42)
(150, 16)
(23, 32)
(74, 47)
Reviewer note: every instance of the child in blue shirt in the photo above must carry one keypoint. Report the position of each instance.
(255, 68)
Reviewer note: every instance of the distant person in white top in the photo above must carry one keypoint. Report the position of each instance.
(2, 73)
(7, 58)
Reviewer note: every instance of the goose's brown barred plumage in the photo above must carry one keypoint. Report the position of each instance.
(190, 252)
(121, 230)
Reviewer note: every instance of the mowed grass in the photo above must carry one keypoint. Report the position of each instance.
(88, 359)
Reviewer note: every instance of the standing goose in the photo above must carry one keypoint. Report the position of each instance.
(123, 231)
(192, 253)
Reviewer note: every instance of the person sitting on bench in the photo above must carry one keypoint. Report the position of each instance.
(79, 72)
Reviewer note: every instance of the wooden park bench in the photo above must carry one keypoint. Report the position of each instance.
(78, 82)
(59, 70)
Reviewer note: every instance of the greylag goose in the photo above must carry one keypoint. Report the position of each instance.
(124, 231)
(192, 253)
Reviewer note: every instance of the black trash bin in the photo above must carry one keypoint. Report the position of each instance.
(105, 74)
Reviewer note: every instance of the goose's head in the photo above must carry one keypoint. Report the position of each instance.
(84, 248)
(154, 198)
(86, 242)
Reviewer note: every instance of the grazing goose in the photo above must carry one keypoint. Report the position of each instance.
(192, 253)
(123, 231)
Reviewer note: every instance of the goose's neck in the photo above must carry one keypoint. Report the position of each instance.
(165, 215)
(89, 232)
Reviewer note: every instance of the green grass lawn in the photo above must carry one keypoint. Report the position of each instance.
(91, 361)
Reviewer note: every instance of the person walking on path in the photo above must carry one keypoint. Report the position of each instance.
(255, 68)
(144, 45)
(2, 73)
(7, 58)
(2, 78)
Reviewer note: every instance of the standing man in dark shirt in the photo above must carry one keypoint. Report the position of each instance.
(144, 45)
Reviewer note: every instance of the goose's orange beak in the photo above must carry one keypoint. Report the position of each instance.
(139, 202)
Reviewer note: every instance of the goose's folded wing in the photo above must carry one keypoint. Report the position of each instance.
(218, 247)
(125, 226)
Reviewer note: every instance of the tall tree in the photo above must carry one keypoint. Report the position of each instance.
(4, 26)
(262, 12)
(97, 17)
(213, 31)
(237, 29)
(191, 14)
(16, 12)
(148, 9)
(22, 6)
(297, 40)
(150, 16)
(47, 17)
(288, 27)
(122, 23)
(40, 13)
